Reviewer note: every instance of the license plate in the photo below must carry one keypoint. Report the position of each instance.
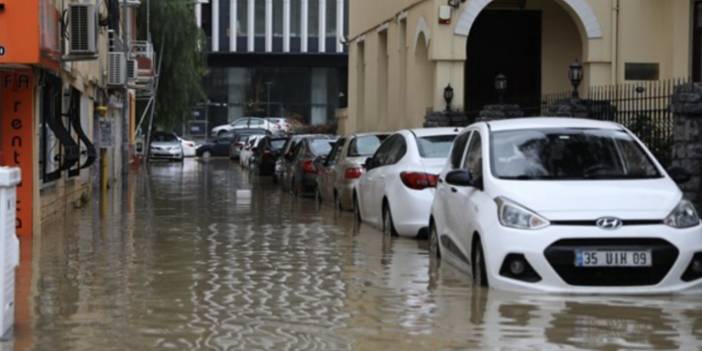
(613, 258)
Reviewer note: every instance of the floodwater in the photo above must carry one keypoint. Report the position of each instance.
(202, 256)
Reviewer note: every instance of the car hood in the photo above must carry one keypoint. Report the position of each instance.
(587, 200)
(165, 144)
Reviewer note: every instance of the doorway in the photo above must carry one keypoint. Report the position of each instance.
(507, 42)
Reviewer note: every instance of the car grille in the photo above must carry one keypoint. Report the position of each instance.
(561, 256)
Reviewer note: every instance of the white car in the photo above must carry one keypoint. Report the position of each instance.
(189, 147)
(564, 206)
(248, 150)
(397, 189)
(244, 123)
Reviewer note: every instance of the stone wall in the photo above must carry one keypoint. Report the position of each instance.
(686, 105)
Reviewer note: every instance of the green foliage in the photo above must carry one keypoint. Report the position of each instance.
(177, 38)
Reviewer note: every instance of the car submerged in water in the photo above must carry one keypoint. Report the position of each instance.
(564, 206)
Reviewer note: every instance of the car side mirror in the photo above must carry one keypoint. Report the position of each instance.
(463, 178)
(369, 163)
(679, 175)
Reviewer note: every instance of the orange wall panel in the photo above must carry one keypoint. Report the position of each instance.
(19, 32)
(16, 144)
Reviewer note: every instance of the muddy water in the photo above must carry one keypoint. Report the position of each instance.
(201, 256)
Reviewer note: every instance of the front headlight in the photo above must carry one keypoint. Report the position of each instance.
(516, 216)
(683, 216)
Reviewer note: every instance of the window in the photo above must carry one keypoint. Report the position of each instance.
(569, 154)
(365, 145)
(398, 151)
(641, 71)
(164, 137)
(474, 157)
(459, 146)
(320, 146)
(382, 155)
(435, 146)
(333, 156)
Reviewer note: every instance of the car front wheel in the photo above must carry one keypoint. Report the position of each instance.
(388, 224)
(434, 247)
(206, 154)
(479, 272)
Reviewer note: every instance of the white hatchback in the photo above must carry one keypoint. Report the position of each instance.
(564, 205)
(397, 189)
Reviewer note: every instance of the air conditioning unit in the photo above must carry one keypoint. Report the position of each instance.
(83, 28)
(132, 69)
(116, 69)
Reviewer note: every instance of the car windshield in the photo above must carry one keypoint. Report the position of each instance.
(435, 146)
(365, 145)
(569, 154)
(278, 144)
(164, 137)
(320, 146)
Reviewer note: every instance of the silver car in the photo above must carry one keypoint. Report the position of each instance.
(343, 167)
(166, 146)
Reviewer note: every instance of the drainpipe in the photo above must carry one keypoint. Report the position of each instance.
(616, 8)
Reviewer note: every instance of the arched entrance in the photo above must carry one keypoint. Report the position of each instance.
(532, 46)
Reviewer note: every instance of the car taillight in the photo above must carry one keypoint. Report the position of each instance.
(189, 144)
(353, 173)
(308, 167)
(419, 180)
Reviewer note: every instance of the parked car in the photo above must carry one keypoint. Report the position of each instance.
(239, 139)
(284, 125)
(218, 147)
(281, 165)
(189, 147)
(397, 189)
(243, 123)
(249, 148)
(565, 205)
(343, 167)
(267, 154)
(302, 172)
(165, 146)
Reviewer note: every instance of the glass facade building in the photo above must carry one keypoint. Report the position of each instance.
(274, 58)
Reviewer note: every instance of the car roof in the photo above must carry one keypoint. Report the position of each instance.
(424, 132)
(550, 122)
(358, 135)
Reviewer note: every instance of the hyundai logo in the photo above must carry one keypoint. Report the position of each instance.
(609, 223)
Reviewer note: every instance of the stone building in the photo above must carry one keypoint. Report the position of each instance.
(404, 53)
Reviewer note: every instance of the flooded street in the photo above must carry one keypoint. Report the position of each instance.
(201, 256)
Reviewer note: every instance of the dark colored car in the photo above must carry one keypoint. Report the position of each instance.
(239, 138)
(218, 147)
(302, 169)
(267, 153)
(283, 163)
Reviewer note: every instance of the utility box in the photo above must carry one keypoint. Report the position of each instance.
(9, 247)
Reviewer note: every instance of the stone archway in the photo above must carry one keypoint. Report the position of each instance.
(582, 10)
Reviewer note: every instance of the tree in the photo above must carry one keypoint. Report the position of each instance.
(177, 38)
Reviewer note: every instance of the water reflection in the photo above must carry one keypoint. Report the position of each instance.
(200, 256)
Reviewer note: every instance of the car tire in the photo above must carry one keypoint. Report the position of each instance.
(318, 196)
(434, 245)
(480, 278)
(388, 223)
(356, 210)
(293, 188)
(206, 154)
(337, 202)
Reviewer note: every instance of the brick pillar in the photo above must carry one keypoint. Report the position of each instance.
(686, 105)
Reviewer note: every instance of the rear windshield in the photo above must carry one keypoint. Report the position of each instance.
(278, 144)
(365, 145)
(320, 146)
(435, 146)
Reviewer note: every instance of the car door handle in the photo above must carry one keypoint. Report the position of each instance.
(441, 180)
(454, 190)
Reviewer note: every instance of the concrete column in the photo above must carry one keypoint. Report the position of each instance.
(233, 24)
(304, 22)
(286, 25)
(687, 134)
(339, 25)
(215, 25)
(269, 25)
(251, 18)
(322, 30)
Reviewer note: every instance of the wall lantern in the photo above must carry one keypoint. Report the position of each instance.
(575, 74)
(501, 87)
(448, 97)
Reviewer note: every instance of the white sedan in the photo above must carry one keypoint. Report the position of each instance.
(189, 147)
(563, 206)
(397, 189)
